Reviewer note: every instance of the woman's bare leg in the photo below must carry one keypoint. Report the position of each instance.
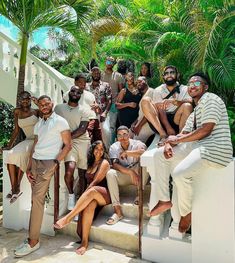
(20, 174)
(12, 174)
(81, 204)
(87, 218)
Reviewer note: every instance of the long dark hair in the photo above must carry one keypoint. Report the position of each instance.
(90, 154)
(148, 65)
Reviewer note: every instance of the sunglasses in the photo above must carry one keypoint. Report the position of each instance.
(125, 136)
(195, 84)
(172, 72)
(108, 62)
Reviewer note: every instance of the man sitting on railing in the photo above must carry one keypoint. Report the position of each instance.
(51, 133)
(204, 142)
(125, 157)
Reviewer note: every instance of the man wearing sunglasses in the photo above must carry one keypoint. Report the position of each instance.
(116, 82)
(170, 107)
(204, 142)
(125, 157)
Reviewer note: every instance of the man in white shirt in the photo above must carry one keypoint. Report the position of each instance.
(77, 117)
(51, 144)
(170, 107)
(204, 142)
(125, 157)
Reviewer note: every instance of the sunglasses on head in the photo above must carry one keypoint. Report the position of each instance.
(169, 73)
(195, 84)
(109, 62)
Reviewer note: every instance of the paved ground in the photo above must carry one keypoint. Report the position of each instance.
(58, 249)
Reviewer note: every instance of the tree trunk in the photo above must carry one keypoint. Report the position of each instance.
(23, 58)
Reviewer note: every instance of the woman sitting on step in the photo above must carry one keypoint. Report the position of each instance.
(17, 157)
(96, 194)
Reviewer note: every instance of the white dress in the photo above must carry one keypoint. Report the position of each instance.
(19, 155)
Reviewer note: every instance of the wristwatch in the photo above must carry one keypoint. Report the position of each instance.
(56, 161)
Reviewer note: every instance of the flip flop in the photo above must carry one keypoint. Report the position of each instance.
(15, 197)
(115, 218)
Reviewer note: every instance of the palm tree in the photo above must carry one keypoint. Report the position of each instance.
(30, 15)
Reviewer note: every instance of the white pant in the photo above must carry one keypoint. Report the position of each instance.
(183, 166)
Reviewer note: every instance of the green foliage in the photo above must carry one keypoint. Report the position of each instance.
(231, 114)
(7, 122)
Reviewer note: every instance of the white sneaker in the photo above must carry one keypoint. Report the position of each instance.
(71, 202)
(26, 241)
(26, 249)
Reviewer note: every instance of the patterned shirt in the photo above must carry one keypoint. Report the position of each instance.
(161, 92)
(102, 93)
(217, 147)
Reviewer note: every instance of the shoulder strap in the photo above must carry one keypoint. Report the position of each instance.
(176, 89)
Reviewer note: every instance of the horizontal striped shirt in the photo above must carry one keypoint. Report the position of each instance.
(217, 147)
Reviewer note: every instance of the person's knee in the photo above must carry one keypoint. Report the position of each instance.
(145, 101)
(111, 174)
(187, 107)
(91, 193)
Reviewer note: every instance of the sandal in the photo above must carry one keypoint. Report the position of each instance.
(9, 195)
(15, 197)
(136, 201)
(161, 141)
(115, 218)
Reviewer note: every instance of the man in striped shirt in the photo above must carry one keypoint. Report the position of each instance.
(204, 142)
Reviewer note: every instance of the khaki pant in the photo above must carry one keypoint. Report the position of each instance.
(42, 171)
(116, 178)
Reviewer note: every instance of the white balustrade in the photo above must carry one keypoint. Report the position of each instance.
(40, 78)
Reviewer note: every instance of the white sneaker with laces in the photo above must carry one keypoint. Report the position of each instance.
(71, 202)
(26, 241)
(26, 249)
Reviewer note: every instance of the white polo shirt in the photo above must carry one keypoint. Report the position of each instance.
(50, 140)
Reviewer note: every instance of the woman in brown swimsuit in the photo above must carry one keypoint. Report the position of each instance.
(96, 194)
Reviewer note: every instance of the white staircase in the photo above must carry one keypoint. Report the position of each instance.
(40, 78)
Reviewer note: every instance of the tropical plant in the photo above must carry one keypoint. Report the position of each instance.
(30, 15)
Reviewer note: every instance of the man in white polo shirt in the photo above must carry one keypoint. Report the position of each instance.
(77, 117)
(52, 143)
(170, 107)
(204, 142)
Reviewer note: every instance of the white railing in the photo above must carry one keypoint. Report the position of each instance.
(40, 78)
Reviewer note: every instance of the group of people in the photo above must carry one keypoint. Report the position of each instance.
(80, 130)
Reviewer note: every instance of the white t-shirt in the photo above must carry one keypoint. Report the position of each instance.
(74, 116)
(161, 92)
(116, 149)
(50, 140)
(86, 100)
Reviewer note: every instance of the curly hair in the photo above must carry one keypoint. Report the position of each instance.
(90, 154)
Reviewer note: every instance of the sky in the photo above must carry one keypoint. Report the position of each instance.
(39, 37)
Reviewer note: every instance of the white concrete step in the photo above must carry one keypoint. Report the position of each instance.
(123, 234)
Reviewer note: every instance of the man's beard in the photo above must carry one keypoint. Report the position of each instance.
(71, 99)
(170, 82)
(95, 79)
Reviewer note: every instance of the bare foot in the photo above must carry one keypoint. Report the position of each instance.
(61, 223)
(160, 207)
(185, 223)
(82, 249)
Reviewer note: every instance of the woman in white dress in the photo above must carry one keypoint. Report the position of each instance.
(17, 157)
